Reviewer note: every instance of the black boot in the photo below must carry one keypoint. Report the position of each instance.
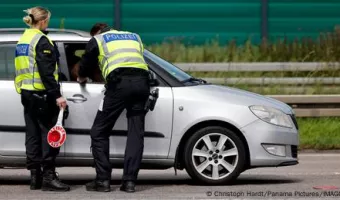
(36, 179)
(99, 186)
(128, 186)
(51, 182)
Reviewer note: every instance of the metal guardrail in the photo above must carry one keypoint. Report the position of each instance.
(276, 80)
(265, 67)
(293, 90)
(258, 66)
(312, 105)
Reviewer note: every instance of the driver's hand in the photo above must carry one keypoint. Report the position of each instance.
(81, 80)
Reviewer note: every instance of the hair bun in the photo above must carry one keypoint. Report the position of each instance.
(28, 20)
(35, 15)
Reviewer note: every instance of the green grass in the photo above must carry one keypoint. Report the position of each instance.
(325, 48)
(319, 133)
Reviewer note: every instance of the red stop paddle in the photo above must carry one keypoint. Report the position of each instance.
(57, 135)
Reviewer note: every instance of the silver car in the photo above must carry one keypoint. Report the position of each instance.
(214, 132)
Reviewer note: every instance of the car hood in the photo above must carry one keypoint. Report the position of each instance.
(242, 97)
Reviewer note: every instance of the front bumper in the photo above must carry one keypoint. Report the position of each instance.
(259, 134)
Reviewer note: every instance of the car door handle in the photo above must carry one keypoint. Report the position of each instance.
(77, 98)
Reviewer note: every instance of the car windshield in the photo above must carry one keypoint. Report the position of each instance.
(170, 68)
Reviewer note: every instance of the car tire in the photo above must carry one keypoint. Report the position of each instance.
(218, 163)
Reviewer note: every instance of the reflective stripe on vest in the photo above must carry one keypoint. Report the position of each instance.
(27, 73)
(119, 49)
(31, 81)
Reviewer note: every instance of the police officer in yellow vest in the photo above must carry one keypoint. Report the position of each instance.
(120, 58)
(37, 82)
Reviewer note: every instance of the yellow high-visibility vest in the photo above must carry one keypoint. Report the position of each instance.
(27, 74)
(119, 49)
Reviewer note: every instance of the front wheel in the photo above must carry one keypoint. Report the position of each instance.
(214, 155)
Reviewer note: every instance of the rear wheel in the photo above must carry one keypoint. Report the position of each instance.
(214, 155)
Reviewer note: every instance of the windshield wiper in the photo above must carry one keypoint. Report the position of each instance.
(193, 79)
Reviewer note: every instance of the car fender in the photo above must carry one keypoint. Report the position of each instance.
(180, 128)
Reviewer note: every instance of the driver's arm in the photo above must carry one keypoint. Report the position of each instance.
(89, 60)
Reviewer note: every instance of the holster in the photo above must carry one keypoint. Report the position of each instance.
(40, 103)
(152, 100)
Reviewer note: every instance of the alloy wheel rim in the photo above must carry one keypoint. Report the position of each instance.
(215, 156)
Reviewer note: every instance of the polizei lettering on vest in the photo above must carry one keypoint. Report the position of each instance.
(109, 37)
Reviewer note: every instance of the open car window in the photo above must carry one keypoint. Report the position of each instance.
(74, 52)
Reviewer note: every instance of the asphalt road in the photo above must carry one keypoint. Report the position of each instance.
(294, 182)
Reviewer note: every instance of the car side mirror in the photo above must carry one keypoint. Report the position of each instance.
(153, 79)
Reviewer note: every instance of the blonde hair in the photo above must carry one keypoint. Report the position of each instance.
(35, 15)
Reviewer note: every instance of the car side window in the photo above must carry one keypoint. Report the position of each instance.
(7, 55)
(74, 52)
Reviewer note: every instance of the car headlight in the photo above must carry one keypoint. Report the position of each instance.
(272, 116)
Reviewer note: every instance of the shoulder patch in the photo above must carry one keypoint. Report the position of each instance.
(22, 50)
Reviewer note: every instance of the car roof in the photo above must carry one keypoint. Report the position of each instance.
(14, 34)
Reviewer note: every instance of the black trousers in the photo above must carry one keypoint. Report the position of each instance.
(131, 93)
(40, 116)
